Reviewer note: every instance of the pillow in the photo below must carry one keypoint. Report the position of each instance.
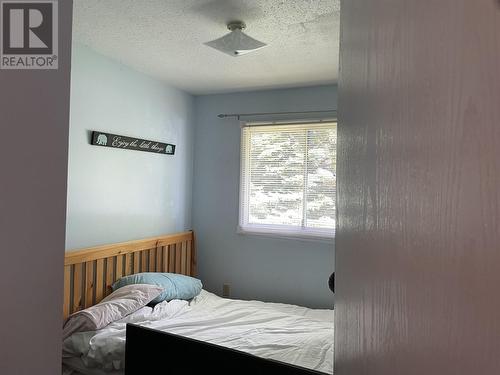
(116, 306)
(175, 286)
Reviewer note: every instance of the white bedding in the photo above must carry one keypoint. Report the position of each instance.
(288, 333)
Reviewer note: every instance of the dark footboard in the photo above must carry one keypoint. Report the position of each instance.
(150, 351)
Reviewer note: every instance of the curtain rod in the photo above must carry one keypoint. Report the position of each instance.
(239, 115)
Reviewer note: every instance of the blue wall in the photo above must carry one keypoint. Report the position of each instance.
(264, 268)
(118, 195)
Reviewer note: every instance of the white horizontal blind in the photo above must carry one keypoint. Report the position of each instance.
(288, 179)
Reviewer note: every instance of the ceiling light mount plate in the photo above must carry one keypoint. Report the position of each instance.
(236, 25)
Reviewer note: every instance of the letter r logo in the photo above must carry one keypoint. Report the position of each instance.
(27, 28)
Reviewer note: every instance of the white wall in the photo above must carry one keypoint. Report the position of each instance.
(118, 195)
(34, 119)
(269, 269)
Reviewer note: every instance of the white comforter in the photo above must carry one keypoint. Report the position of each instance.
(287, 333)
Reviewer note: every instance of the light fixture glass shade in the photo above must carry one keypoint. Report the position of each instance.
(236, 43)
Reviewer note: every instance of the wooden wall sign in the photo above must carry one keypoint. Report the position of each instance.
(129, 143)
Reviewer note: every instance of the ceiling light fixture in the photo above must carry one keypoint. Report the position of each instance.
(236, 43)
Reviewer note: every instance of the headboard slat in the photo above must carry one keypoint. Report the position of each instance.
(166, 256)
(128, 264)
(178, 256)
(189, 256)
(99, 280)
(67, 291)
(89, 273)
(159, 261)
(183, 257)
(110, 272)
(89, 284)
(119, 267)
(137, 261)
(77, 288)
(144, 261)
(152, 259)
(171, 261)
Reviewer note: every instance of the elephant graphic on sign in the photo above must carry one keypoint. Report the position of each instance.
(102, 140)
(168, 150)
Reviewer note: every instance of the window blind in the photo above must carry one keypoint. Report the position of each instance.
(288, 179)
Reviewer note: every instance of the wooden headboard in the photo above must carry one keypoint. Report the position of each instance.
(89, 273)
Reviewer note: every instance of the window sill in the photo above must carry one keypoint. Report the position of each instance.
(286, 235)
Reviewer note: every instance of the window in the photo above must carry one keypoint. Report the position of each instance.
(288, 179)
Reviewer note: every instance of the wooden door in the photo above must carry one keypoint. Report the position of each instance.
(418, 238)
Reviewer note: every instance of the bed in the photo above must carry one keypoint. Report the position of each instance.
(288, 333)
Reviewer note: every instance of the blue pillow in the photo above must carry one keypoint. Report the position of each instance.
(175, 286)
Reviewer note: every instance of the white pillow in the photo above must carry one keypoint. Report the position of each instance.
(116, 306)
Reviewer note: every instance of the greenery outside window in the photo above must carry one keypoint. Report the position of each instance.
(288, 180)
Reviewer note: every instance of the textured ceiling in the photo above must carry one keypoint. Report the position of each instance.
(164, 38)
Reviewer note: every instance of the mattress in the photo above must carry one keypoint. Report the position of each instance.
(287, 333)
